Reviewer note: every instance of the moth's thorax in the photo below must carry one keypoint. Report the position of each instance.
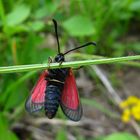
(58, 74)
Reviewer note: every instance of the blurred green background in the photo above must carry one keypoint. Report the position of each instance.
(27, 37)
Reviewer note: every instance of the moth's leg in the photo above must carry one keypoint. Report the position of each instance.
(49, 62)
(60, 63)
(78, 68)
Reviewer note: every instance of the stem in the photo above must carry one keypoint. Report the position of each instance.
(89, 56)
(73, 64)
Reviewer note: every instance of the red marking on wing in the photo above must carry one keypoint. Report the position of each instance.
(38, 92)
(70, 98)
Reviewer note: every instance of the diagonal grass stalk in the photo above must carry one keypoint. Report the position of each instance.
(73, 64)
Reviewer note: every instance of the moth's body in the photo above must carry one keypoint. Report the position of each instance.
(54, 89)
(55, 84)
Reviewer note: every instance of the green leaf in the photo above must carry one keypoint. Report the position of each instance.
(47, 10)
(17, 29)
(36, 26)
(18, 15)
(79, 26)
(41, 13)
(61, 135)
(135, 6)
(5, 133)
(121, 136)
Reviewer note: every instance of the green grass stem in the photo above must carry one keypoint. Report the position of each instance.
(89, 56)
(73, 64)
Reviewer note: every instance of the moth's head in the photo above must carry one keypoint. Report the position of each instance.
(59, 58)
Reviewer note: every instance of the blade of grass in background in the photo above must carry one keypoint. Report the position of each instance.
(94, 103)
(5, 132)
(9, 97)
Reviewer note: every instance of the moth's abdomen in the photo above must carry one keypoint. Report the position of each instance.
(52, 100)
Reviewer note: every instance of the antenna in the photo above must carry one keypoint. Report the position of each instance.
(87, 44)
(56, 34)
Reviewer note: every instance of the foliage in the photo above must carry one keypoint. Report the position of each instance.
(26, 34)
(120, 136)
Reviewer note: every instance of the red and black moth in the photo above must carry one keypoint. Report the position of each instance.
(57, 87)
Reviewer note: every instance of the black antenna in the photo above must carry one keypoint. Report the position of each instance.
(55, 26)
(87, 44)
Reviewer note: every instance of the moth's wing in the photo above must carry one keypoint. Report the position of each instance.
(35, 101)
(70, 102)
